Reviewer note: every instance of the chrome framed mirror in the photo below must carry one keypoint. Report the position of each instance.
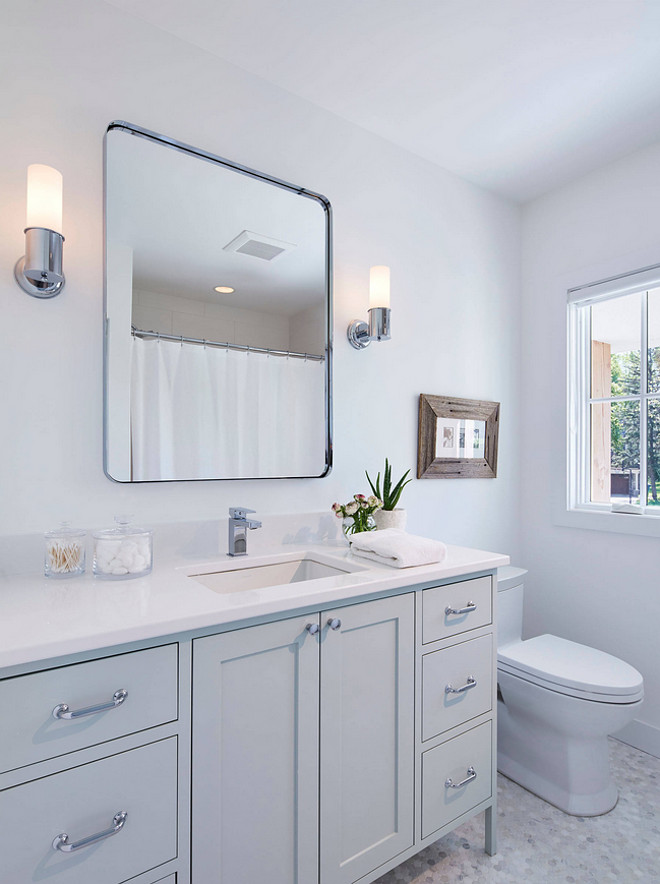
(218, 306)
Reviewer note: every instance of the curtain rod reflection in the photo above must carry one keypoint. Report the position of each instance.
(225, 345)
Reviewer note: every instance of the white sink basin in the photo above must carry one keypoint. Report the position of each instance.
(264, 571)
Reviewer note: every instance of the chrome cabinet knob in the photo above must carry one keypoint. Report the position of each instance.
(334, 623)
(312, 628)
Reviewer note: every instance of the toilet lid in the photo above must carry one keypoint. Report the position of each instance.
(568, 667)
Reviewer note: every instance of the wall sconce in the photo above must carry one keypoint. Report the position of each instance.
(360, 333)
(39, 271)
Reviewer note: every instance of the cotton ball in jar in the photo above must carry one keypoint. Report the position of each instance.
(123, 551)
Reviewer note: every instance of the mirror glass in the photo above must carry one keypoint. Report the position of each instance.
(217, 329)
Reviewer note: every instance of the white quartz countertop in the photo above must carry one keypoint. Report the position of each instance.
(42, 618)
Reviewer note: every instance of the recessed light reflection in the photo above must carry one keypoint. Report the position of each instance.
(224, 289)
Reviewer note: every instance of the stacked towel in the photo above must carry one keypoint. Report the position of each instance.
(396, 548)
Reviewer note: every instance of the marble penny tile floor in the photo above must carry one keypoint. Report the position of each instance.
(538, 843)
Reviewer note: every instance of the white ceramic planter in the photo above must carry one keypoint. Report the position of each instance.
(395, 518)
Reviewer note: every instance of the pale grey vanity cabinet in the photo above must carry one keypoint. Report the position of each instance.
(323, 748)
(82, 801)
(89, 771)
(457, 763)
(329, 748)
(303, 740)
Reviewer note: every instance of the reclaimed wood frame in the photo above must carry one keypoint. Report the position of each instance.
(431, 467)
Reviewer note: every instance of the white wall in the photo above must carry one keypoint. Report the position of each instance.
(453, 250)
(595, 587)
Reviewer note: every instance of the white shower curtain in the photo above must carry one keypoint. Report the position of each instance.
(205, 412)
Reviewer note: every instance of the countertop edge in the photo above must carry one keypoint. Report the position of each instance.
(24, 643)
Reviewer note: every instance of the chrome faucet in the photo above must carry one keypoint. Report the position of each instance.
(238, 529)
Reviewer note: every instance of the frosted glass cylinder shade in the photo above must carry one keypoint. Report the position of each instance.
(379, 286)
(44, 197)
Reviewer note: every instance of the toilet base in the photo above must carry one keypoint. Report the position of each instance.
(571, 773)
(575, 805)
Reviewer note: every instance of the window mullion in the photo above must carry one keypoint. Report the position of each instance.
(643, 422)
(578, 449)
(584, 355)
(614, 399)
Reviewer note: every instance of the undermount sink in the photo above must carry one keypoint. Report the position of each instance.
(263, 572)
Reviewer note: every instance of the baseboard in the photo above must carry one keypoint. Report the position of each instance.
(640, 735)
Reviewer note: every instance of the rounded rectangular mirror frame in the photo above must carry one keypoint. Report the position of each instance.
(117, 462)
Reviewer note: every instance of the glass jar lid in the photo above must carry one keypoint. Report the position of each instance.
(65, 530)
(123, 528)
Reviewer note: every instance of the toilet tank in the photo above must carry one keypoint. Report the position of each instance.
(509, 605)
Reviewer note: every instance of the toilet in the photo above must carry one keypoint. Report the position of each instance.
(557, 703)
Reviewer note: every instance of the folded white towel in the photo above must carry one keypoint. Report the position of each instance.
(396, 548)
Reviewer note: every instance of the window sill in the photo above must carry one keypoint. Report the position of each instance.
(643, 525)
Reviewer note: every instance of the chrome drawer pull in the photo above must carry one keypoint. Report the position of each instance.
(466, 610)
(471, 775)
(471, 683)
(63, 711)
(62, 841)
(334, 623)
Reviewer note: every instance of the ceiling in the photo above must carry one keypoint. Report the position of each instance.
(518, 96)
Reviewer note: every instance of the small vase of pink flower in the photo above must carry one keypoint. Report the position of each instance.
(357, 514)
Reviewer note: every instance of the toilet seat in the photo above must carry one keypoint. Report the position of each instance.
(572, 669)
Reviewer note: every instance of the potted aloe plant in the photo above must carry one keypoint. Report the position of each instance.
(390, 516)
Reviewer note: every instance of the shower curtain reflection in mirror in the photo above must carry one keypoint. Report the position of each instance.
(202, 412)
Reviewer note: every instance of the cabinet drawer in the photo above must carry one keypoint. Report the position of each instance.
(82, 802)
(466, 665)
(474, 594)
(452, 760)
(30, 733)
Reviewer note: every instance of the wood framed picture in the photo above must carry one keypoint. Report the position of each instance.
(457, 438)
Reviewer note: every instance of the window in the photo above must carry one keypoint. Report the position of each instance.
(614, 395)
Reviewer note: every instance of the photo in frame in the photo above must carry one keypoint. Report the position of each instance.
(457, 438)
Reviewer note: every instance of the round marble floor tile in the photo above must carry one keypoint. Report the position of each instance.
(538, 844)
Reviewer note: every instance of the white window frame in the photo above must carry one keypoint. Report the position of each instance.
(579, 396)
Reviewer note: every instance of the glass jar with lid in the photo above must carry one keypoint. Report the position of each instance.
(123, 552)
(64, 551)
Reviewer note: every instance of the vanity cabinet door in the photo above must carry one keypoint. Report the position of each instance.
(367, 736)
(255, 755)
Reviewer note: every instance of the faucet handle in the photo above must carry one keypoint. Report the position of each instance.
(239, 512)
